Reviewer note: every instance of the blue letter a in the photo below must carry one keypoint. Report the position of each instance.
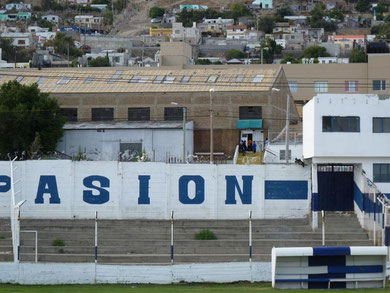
(232, 185)
(51, 183)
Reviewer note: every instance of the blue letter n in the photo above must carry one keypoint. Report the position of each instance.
(232, 185)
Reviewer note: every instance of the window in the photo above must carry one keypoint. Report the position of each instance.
(258, 78)
(351, 86)
(213, 78)
(381, 125)
(169, 79)
(282, 155)
(381, 172)
(340, 124)
(69, 113)
(41, 80)
(102, 114)
(379, 85)
(186, 78)
(64, 80)
(134, 79)
(159, 79)
(293, 86)
(239, 78)
(21, 42)
(88, 80)
(250, 112)
(130, 151)
(139, 114)
(321, 86)
(173, 113)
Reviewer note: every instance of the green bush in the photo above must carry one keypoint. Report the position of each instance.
(58, 242)
(205, 234)
(2, 236)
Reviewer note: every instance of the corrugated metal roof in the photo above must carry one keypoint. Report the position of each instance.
(123, 80)
(127, 125)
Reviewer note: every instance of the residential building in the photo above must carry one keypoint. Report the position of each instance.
(312, 34)
(283, 28)
(88, 20)
(193, 7)
(190, 35)
(37, 29)
(236, 32)
(216, 26)
(18, 6)
(348, 42)
(22, 40)
(160, 31)
(116, 59)
(52, 18)
(242, 100)
(263, 4)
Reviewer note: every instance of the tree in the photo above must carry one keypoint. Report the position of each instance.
(314, 52)
(156, 12)
(266, 24)
(28, 117)
(234, 54)
(8, 50)
(108, 17)
(202, 62)
(270, 49)
(100, 62)
(357, 56)
(119, 5)
(44, 23)
(61, 43)
(382, 31)
(239, 9)
(317, 20)
(289, 59)
(363, 5)
(282, 12)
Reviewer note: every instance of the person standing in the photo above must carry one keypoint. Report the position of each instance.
(254, 147)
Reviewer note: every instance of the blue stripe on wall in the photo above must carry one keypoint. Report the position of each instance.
(314, 202)
(358, 196)
(355, 269)
(331, 251)
(275, 189)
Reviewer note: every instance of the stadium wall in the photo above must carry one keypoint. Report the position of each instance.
(62, 189)
(72, 273)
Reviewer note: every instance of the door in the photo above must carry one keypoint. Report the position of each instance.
(246, 135)
(335, 187)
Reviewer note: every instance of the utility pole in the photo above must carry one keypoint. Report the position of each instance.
(287, 127)
(68, 53)
(184, 133)
(211, 128)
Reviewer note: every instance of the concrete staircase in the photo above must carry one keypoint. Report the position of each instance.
(6, 253)
(147, 241)
(250, 158)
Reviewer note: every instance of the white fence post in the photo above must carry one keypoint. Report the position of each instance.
(96, 236)
(323, 227)
(171, 237)
(250, 236)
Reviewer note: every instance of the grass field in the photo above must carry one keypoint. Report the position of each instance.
(190, 288)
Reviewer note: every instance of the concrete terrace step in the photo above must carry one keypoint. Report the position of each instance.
(143, 241)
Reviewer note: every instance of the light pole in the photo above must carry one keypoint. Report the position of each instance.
(211, 128)
(184, 130)
(287, 127)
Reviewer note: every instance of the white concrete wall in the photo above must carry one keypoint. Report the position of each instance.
(70, 273)
(124, 190)
(105, 145)
(308, 129)
(346, 144)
